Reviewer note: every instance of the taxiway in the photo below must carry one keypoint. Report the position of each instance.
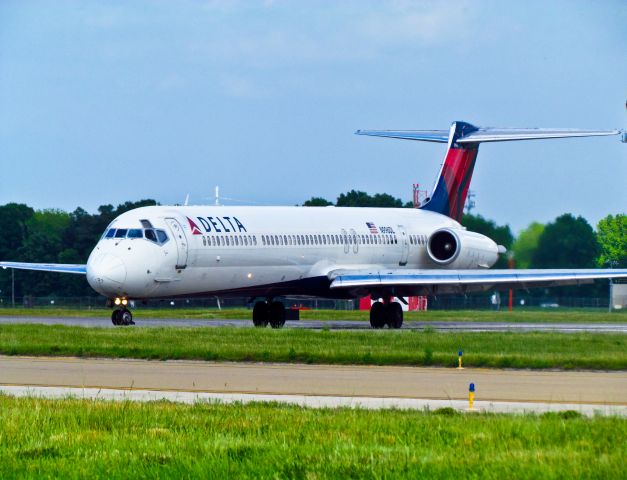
(317, 385)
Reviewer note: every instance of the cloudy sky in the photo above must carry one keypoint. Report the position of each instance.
(102, 102)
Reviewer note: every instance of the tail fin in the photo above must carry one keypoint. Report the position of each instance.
(451, 187)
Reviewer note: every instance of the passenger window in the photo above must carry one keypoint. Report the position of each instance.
(135, 233)
(120, 233)
(110, 233)
(204, 241)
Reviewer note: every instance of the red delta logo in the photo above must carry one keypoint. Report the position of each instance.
(194, 227)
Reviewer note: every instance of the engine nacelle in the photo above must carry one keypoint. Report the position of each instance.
(462, 249)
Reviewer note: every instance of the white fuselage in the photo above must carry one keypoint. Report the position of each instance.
(264, 250)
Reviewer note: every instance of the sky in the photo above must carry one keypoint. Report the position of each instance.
(104, 102)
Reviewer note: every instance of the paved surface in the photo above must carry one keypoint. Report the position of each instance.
(404, 387)
(331, 324)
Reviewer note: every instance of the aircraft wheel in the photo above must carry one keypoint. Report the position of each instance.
(378, 315)
(115, 317)
(126, 317)
(277, 314)
(260, 314)
(395, 315)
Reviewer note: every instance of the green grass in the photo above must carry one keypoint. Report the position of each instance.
(383, 347)
(528, 315)
(97, 439)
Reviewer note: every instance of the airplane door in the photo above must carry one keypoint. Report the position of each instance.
(345, 240)
(404, 241)
(181, 242)
(355, 242)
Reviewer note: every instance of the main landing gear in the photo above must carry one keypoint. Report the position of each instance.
(382, 314)
(269, 312)
(121, 316)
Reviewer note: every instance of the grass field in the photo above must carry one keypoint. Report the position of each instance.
(384, 347)
(95, 439)
(528, 315)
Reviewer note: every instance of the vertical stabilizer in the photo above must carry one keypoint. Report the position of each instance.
(451, 187)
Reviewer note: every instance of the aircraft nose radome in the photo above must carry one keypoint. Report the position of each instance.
(106, 273)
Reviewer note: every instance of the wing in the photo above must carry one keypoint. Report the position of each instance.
(46, 267)
(422, 282)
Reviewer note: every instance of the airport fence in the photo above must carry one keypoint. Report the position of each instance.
(448, 302)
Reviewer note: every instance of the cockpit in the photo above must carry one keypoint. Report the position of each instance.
(155, 235)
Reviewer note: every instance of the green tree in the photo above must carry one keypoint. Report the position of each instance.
(612, 237)
(14, 219)
(568, 242)
(501, 234)
(43, 244)
(526, 244)
(357, 198)
(317, 202)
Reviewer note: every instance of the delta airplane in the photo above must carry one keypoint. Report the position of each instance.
(266, 253)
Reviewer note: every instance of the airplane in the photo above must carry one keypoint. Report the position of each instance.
(267, 253)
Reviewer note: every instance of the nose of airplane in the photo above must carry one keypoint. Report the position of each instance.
(106, 273)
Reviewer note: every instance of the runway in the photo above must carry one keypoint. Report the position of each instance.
(330, 324)
(316, 385)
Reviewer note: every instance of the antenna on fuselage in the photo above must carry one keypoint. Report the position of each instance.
(186, 200)
(217, 195)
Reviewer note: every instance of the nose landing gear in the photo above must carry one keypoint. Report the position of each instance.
(121, 316)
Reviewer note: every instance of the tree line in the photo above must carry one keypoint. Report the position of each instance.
(56, 236)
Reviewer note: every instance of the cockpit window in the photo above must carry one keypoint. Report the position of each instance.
(162, 236)
(151, 235)
(154, 235)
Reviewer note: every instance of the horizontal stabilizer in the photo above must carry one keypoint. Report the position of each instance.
(438, 136)
(487, 134)
(46, 267)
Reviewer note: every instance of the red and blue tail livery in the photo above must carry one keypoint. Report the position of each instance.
(451, 189)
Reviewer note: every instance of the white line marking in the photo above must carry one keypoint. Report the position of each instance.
(311, 401)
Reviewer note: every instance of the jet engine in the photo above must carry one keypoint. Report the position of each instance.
(462, 249)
